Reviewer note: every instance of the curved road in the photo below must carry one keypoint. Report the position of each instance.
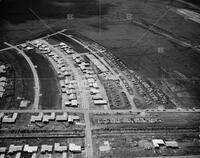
(35, 75)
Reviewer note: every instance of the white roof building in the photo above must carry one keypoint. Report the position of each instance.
(74, 103)
(91, 80)
(100, 102)
(62, 117)
(72, 118)
(59, 148)
(30, 149)
(97, 97)
(7, 119)
(94, 91)
(46, 148)
(13, 148)
(47, 118)
(74, 147)
(3, 149)
(37, 118)
(171, 144)
(157, 142)
(1, 115)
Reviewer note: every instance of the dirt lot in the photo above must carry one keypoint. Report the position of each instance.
(22, 76)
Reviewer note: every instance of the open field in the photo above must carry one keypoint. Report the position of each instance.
(136, 47)
(128, 146)
(50, 97)
(22, 80)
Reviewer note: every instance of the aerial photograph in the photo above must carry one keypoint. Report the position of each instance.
(99, 78)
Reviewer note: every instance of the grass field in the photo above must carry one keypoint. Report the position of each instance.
(133, 44)
(50, 97)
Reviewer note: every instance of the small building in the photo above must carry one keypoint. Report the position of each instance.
(74, 103)
(12, 149)
(95, 85)
(72, 118)
(100, 102)
(91, 80)
(1, 115)
(37, 118)
(74, 148)
(7, 119)
(3, 79)
(157, 142)
(47, 118)
(97, 97)
(24, 103)
(94, 91)
(2, 89)
(3, 150)
(59, 148)
(30, 149)
(1, 94)
(62, 117)
(46, 149)
(171, 144)
(72, 96)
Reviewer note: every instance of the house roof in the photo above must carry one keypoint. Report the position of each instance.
(171, 143)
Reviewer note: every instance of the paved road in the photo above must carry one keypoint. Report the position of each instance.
(35, 75)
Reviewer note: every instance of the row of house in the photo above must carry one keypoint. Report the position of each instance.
(5, 118)
(3, 80)
(57, 147)
(45, 118)
(66, 48)
(160, 142)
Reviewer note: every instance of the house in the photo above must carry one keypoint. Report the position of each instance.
(95, 85)
(97, 97)
(2, 89)
(100, 102)
(46, 148)
(59, 148)
(157, 142)
(1, 115)
(72, 118)
(171, 144)
(7, 119)
(62, 117)
(94, 91)
(12, 149)
(1, 94)
(30, 149)
(3, 79)
(47, 118)
(74, 148)
(91, 80)
(73, 96)
(3, 150)
(37, 118)
(24, 103)
(74, 103)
